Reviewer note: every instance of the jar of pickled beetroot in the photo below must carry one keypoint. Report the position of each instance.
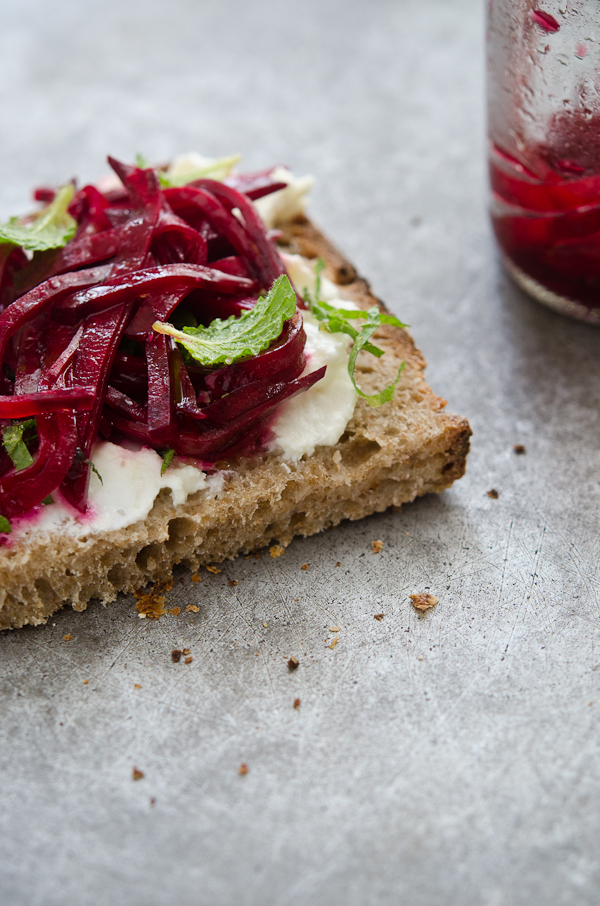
(544, 131)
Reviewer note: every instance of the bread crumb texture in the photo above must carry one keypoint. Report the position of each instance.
(386, 457)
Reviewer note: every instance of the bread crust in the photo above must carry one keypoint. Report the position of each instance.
(386, 457)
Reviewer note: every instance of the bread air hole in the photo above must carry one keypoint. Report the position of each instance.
(45, 590)
(297, 521)
(360, 452)
(181, 531)
(117, 576)
(149, 557)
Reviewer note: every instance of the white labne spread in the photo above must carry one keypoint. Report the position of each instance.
(122, 491)
(319, 415)
(132, 480)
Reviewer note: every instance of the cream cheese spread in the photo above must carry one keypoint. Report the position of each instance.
(319, 415)
(129, 483)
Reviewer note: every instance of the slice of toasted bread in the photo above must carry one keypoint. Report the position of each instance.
(386, 456)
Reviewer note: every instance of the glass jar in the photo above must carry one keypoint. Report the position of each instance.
(544, 133)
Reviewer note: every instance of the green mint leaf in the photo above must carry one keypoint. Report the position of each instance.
(237, 338)
(51, 228)
(217, 169)
(167, 458)
(94, 470)
(15, 446)
(385, 395)
(5, 525)
(142, 162)
(81, 457)
(47, 500)
(336, 320)
(319, 268)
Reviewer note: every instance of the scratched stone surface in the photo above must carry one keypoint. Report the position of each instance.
(450, 757)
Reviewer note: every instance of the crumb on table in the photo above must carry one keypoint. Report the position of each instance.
(423, 601)
(152, 604)
(377, 546)
(293, 663)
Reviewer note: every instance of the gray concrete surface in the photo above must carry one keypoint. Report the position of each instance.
(450, 758)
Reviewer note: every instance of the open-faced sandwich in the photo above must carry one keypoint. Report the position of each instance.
(190, 370)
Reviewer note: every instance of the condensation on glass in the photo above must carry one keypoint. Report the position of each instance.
(544, 132)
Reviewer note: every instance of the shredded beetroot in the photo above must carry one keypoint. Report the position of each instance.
(77, 350)
(544, 20)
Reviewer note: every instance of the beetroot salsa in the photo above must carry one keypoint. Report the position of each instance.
(546, 210)
(78, 353)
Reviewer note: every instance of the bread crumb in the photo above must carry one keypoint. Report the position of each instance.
(152, 604)
(232, 583)
(334, 643)
(423, 601)
(297, 703)
(493, 494)
(243, 769)
(137, 685)
(176, 655)
(214, 570)
(196, 577)
(377, 546)
(67, 638)
(335, 628)
(276, 550)
(338, 563)
(304, 566)
(85, 682)
(188, 659)
(293, 664)
(337, 457)
(192, 608)
(185, 650)
(175, 611)
(378, 616)
(265, 625)
(420, 658)
(137, 774)
(519, 449)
